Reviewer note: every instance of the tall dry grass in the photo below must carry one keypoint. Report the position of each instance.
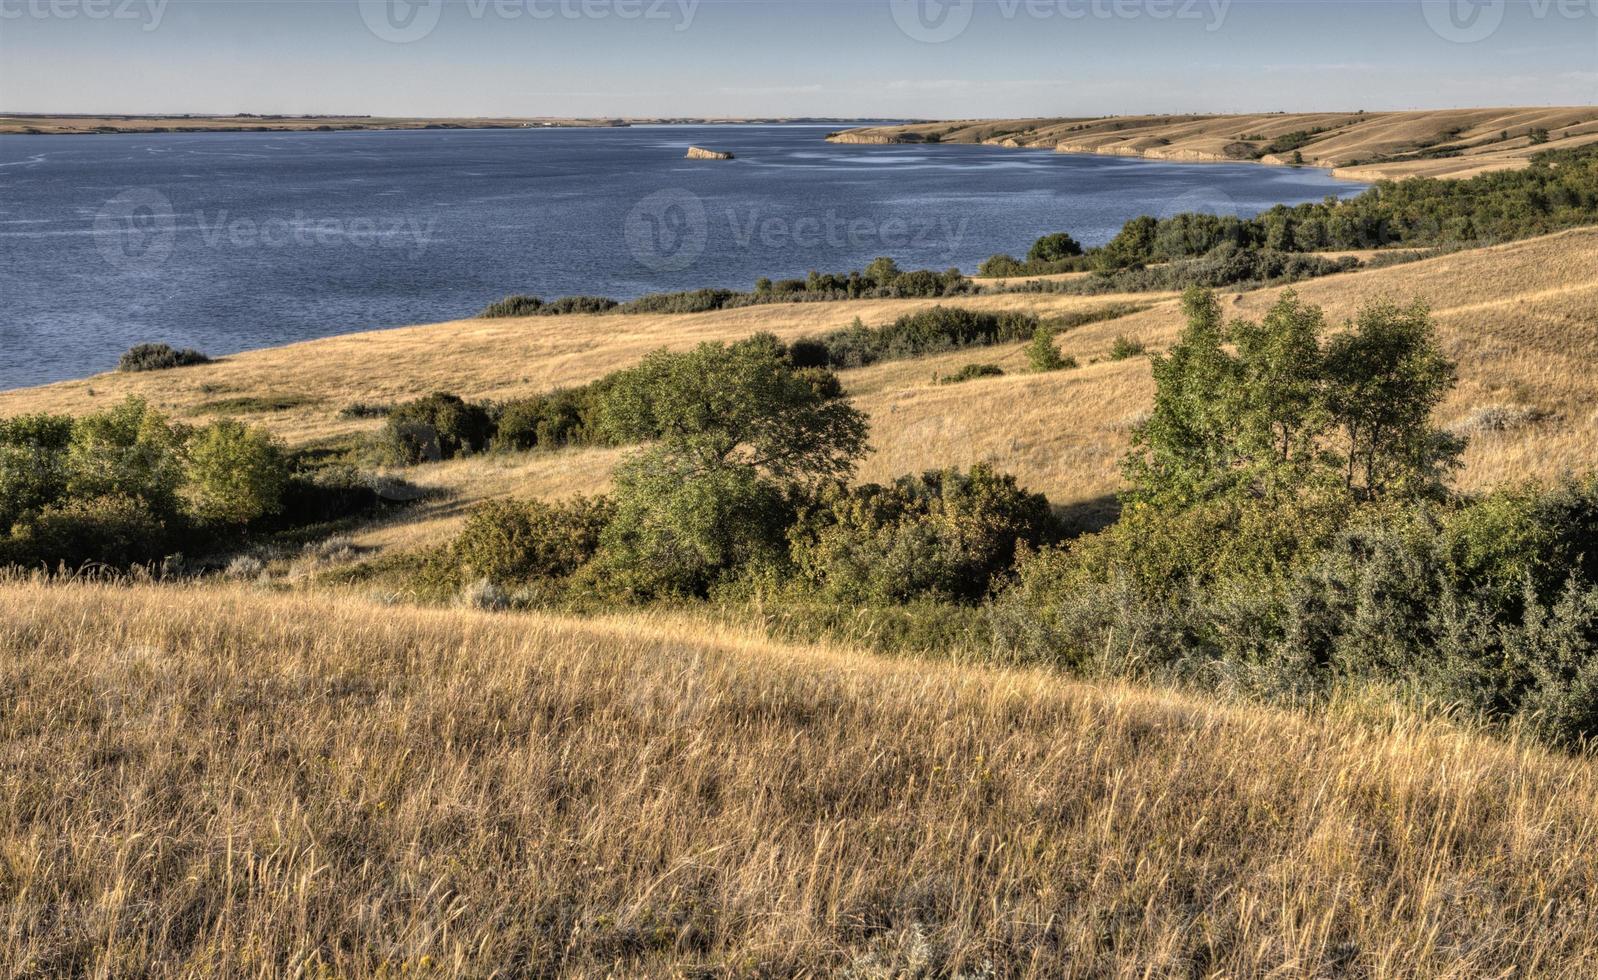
(202, 782)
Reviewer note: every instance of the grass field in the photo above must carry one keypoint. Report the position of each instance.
(1518, 318)
(1356, 145)
(210, 781)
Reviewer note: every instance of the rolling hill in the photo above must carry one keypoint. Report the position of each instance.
(1357, 145)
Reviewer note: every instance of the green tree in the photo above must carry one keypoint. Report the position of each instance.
(1286, 414)
(1041, 353)
(1277, 400)
(1385, 377)
(737, 429)
(1186, 448)
(882, 271)
(234, 474)
(1054, 248)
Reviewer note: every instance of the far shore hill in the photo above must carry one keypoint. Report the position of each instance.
(1364, 146)
(250, 123)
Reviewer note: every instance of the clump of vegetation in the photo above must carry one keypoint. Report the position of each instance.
(1125, 348)
(881, 279)
(944, 535)
(1042, 355)
(1559, 190)
(159, 357)
(126, 485)
(972, 372)
(440, 426)
(930, 331)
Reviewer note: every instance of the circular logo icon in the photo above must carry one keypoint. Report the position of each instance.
(932, 21)
(401, 21)
(1463, 21)
(667, 230)
(136, 229)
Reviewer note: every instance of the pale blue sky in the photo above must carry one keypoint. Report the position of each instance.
(791, 57)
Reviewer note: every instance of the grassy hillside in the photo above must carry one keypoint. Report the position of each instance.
(1517, 317)
(223, 781)
(1357, 145)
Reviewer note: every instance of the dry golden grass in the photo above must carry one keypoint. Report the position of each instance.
(502, 358)
(1521, 319)
(1359, 146)
(214, 782)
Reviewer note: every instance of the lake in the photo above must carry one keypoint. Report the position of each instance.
(231, 241)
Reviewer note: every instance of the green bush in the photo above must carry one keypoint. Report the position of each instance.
(943, 535)
(159, 357)
(513, 306)
(233, 474)
(563, 417)
(929, 331)
(511, 542)
(440, 426)
(1053, 248)
(1125, 348)
(1042, 355)
(116, 530)
(971, 372)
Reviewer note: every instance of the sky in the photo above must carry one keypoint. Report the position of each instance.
(837, 58)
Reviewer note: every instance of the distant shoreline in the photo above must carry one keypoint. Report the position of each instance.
(1360, 146)
(23, 124)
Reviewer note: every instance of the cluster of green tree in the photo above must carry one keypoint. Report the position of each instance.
(444, 426)
(128, 486)
(1225, 265)
(882, 279)
(1289, 529)
(1558, 190)
(743, 487)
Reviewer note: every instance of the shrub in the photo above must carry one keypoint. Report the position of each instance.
(512, 306)
(117, 530)
(945, 535)
(691, 301)
(512, 541)
(158, 357)
(1042, 355)
(1125, 348)
(578, 304)
(1053, 248)
(971, 372)
(233, 474)
(440, 426)
(562, 417)
(940, 328)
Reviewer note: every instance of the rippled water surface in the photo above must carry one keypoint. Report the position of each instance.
(230, 241)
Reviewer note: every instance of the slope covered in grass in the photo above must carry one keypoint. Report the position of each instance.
(211, 781)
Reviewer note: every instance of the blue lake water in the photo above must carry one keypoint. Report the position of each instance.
(231, 241)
